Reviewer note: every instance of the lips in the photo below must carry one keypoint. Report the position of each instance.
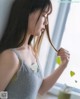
(42, 30)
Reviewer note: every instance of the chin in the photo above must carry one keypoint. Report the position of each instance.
(38, 34)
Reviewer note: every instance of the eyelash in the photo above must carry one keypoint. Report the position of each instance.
(45, 16)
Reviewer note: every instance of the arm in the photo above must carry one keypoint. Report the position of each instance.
(9, 64)
(49, 81)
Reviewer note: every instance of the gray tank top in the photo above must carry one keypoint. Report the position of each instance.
(26, 82)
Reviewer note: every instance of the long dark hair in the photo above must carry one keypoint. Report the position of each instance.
(16, 29)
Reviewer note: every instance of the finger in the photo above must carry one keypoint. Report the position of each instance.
(62, 49)
(65, 58)
(66, 55)
(63, 53)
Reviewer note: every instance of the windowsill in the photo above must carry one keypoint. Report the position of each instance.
(55, 91)
(47, 96)
(53, 94)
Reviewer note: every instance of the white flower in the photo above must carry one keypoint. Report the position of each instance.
(34, 67)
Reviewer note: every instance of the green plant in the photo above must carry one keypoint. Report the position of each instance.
(65, 93)
(58, 61)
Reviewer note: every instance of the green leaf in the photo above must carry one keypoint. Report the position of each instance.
(58, 60)
(72, 73)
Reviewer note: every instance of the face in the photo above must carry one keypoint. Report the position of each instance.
(37, 26)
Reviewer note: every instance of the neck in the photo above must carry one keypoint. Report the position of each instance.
(26, 41)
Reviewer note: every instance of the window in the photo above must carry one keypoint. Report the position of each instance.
(70, 41)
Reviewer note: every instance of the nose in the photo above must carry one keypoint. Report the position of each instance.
(46, 21)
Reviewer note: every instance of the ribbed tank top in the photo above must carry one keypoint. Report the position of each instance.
(25, 83)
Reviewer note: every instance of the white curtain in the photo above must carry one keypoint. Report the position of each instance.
(57, 35)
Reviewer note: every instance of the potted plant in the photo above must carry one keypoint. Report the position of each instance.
(65, 93)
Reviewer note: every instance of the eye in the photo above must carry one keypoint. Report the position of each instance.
(45, 15)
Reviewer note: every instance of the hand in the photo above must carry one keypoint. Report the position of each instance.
(65, 56)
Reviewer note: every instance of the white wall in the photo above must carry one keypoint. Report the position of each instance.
(5, 6)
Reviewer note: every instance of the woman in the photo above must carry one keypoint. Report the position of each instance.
(20, 73)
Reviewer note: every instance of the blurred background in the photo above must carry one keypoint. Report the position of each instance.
(64, 24)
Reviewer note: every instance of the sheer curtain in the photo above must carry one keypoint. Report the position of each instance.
(57, 34)
(45, 44)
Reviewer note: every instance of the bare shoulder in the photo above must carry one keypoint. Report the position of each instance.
(9, 57)
(9, 64)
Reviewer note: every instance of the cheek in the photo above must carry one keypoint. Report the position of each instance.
(31, 23)
(39, 27)
(40, 23)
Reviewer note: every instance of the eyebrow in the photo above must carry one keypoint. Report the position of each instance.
(43, 10)
(48, 11)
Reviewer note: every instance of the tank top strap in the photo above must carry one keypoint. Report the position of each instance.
(21, 62)
(18, 55)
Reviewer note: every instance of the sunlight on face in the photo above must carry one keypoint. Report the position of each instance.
(37, 21)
